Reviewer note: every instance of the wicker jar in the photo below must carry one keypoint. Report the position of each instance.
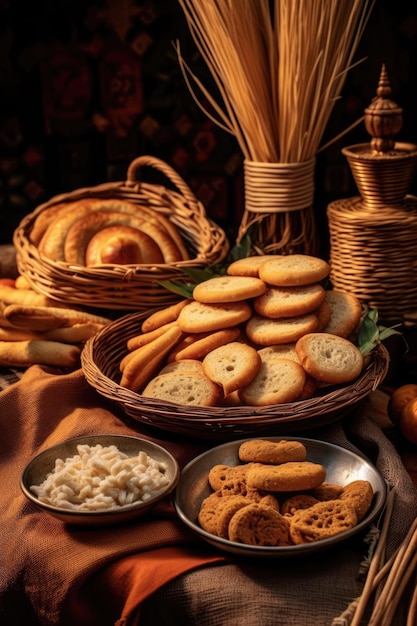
(373, 237)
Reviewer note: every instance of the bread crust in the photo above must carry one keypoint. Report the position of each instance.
(277, 382)
(249, 266)
(188, 388)
(199, 317)
(279, 302)
(264, 331)
(52, 244)
(81, 232)
(294, 269)
(233, 365)
(329, 358)
(122, 245)
(228, 289)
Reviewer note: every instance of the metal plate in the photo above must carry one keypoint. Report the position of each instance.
(342, 467)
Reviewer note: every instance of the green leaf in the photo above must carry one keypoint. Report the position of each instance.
(198, 275)
(181, 289)
(371, 333)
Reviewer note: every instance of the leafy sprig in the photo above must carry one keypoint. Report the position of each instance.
(240, 250)
(371, 333)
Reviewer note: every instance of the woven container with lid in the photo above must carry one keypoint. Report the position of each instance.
(373, 237)
(125, 287)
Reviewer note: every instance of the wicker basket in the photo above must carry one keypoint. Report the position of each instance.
(125, 287)
(102, 354)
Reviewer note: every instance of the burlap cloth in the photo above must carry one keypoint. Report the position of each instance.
(154, 571)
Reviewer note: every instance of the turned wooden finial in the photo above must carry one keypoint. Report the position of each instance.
(383, 117)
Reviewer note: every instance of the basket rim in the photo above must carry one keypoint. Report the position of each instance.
(170, 415)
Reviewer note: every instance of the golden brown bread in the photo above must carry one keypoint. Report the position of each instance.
(80, 233)
(45, 218)
(122, 245)
(148, 359)
(164, 316)
(26, 353)
(53, 240)
(47, 317)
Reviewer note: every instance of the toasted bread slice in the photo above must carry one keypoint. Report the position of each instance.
(329, 358)
(233, 365)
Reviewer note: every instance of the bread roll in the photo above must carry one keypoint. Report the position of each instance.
(25, 297)
(53, 240)
(45, 218)
(52, 243)
(80, 233)
(122, 245)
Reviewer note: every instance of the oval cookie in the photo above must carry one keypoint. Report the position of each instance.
(291, 476)
(272, 452)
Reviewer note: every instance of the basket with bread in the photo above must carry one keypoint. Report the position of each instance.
(263, 345)
(109, 246)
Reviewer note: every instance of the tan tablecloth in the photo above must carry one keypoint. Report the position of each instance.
(52, 574)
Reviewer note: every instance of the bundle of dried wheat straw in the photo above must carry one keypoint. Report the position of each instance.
(279, 66)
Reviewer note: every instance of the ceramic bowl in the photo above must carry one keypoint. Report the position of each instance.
(43, 463)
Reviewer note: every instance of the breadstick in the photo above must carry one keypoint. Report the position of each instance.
(17, 334)
(26, 353)
(164, 316)
(147, 359)
(78, 333)
(48, 318)
(27, 297)
(140, 340)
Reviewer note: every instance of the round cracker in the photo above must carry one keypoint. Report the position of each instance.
(294, 269)
(228, 289)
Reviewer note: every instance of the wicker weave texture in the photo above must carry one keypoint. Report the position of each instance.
(125, 287)
(100, 361)
(373, 254)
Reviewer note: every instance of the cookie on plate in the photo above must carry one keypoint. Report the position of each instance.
(271, 452)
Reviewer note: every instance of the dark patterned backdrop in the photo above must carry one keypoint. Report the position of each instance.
(86, 86)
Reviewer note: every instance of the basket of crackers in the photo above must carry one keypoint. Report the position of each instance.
(263, 346)
(110, 246)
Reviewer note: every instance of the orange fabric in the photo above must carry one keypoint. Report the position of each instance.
(118, 591)
(44, 562)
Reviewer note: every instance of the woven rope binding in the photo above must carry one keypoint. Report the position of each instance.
(101, 358)
(125, 287)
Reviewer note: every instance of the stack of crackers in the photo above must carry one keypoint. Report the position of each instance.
(267, 332)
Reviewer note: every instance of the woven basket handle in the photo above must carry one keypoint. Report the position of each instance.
(171, 174)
